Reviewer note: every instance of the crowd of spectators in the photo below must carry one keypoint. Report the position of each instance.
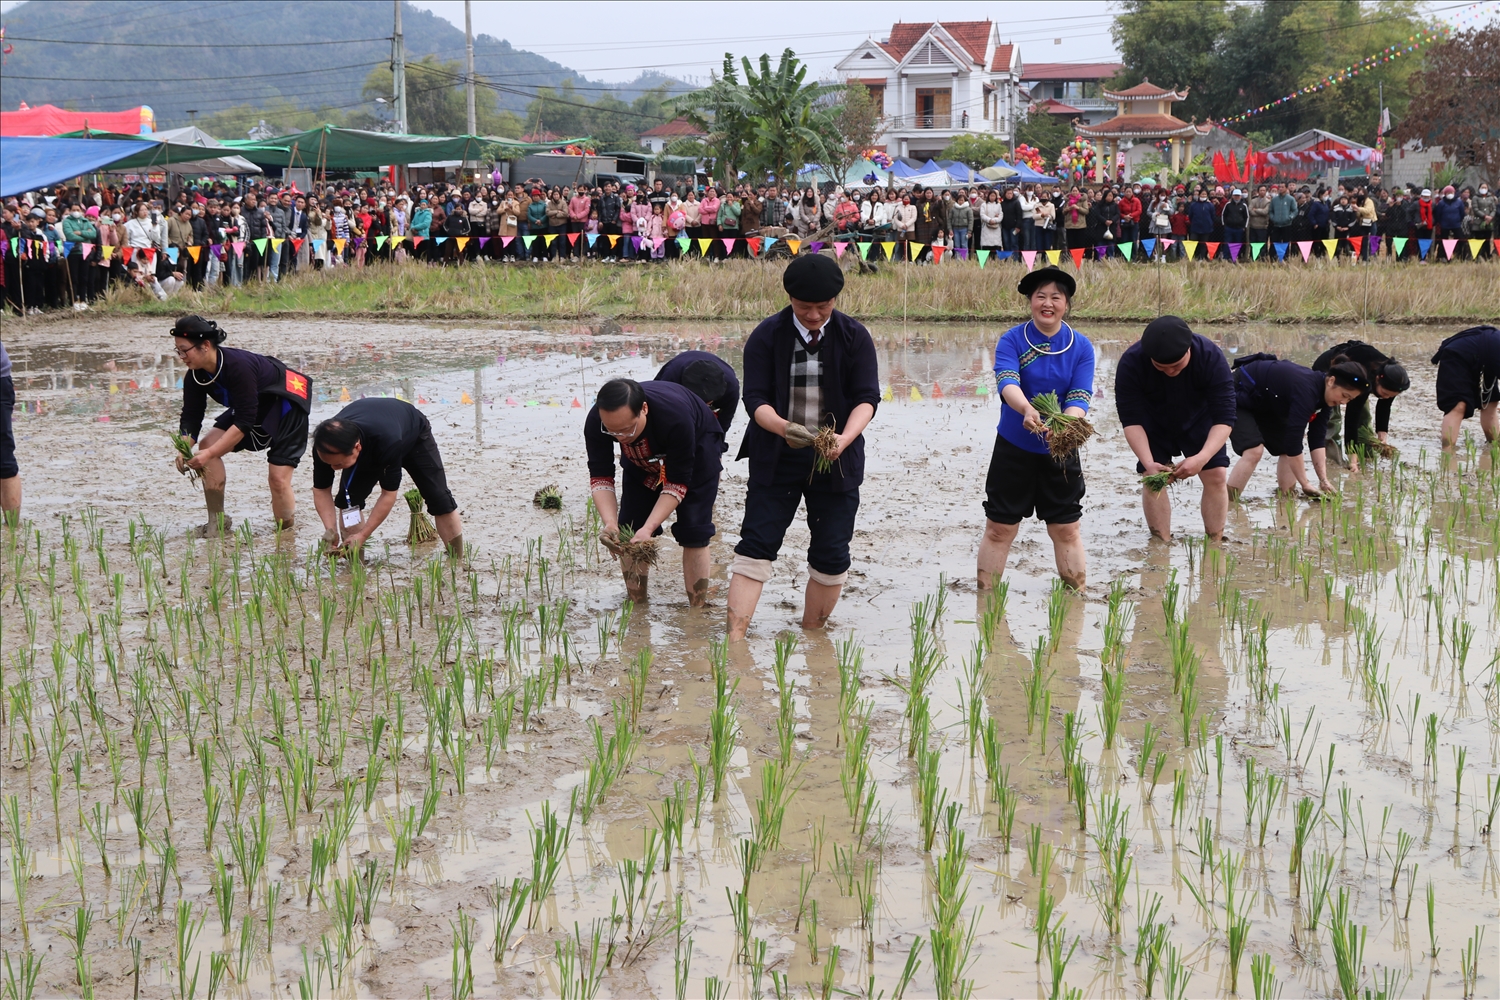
(68, 246)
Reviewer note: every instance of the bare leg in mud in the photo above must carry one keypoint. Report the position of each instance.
(818, 605)
(994, 550)
(696, 566)
(1240, 475)
(637, 576)
(1067, 549)
(744, 595)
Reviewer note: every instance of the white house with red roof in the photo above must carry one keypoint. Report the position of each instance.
(656, 139)
(937, 80)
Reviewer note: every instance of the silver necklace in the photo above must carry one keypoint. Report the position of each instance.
(220, 367)
(1043, 348)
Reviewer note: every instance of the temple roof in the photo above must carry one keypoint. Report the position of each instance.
(1145, 91)
(1150, 126)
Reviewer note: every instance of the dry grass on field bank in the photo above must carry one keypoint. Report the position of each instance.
(1384, 292)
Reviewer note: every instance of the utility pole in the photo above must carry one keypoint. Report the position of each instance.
(469, 67)
(398, 72)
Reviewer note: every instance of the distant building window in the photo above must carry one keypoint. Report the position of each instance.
(1057, 92)
(877, 97)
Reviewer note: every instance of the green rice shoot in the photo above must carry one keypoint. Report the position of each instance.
(184, 446)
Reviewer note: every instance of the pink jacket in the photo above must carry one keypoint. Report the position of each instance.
(649, 227)
(578, 208)
(708, 209)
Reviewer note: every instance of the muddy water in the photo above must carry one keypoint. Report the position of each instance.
(501, 402)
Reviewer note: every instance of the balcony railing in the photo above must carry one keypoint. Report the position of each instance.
(961, 122)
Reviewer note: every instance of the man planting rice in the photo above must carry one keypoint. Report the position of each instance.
(266, 406)
(807, 366)
(710, 378)
(670, 447)
(1027, 474)
(373, 441)
(1175, 396)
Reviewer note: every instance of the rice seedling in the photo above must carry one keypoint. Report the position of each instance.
(777, 786)
(641, 551)
(580, 966)
(420, 528)
(1066, 433)
(1176, 975)
(549, 842)
(1263, 977)
(1036, 688)
(637, 676)
(682, 961)
(1237, 934)
(723, 721)
(549, 497)
(1158, 481)
(1469, 962)
(1460, 758)
(183, 445)
(1113, 682)
(1348, 939)
(1432, 920)
(1304, 816)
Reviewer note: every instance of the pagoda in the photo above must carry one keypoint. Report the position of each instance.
(1145, 116)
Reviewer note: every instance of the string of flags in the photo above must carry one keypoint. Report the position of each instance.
(1412, 43)
(757, 246)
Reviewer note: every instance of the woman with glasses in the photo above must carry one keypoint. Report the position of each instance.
(266, 406)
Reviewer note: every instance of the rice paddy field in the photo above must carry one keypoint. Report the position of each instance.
(1267, 767)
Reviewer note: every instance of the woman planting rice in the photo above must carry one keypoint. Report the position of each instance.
(1277, 403)
(1388, 379)
(1043, 355)
(1468, 380)
(266, 405)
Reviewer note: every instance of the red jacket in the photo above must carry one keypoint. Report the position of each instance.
(1130, 208)
(1424, 212)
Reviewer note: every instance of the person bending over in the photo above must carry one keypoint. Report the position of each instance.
(1468, 382)
(1175, 396)
(1277, 404)
(670, 447)
(265, 409)
(373, 441)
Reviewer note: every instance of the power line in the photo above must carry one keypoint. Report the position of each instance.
(203, 79)
(196, 45)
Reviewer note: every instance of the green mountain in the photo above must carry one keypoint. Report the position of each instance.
(235, 61)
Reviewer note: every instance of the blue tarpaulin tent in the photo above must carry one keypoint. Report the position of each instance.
(1025, 175)
(28, 163)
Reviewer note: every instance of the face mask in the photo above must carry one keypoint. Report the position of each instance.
(1448, 197)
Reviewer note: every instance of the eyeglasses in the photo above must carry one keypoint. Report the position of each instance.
(184, 353)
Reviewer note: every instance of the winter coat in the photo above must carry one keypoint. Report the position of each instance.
(1448, 213)
(1260, 213)
(1236, 214)
(1200, 217)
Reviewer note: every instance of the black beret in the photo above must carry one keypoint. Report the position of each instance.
(813, 278)
(1166, 339)
(1035, 279)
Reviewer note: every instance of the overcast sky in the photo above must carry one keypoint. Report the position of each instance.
(617, 41)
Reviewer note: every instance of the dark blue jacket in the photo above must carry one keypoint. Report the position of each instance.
(684, 438)
(251, 386)
(851, 375)
(1354, 410)
(728, 402)
(1317, 217)
(1200, 216)
(1448, 213)
(1175, 409)
(1286, 400)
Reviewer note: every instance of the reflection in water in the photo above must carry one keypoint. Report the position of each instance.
(1332, 642)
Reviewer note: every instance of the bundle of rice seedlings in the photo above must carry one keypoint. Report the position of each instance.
(1067, 433)
(826, 443)
(798, 436)
(184, 446)
(1367, 440)
(640, 550)
(1158, 481)
(549, 497)
(421, 529)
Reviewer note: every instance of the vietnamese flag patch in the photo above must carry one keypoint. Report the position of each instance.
(296, 384)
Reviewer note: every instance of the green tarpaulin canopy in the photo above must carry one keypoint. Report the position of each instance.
(164, 153)
(330, 148)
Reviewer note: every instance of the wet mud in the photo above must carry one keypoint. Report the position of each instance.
(1342, 655)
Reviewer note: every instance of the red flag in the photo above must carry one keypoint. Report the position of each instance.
(296, 243)
(1077, 257)
(754, 242)
(573, 239)
(1213, 250)
(1359, 243)
(937, 253)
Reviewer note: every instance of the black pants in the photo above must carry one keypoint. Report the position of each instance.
(771, 507)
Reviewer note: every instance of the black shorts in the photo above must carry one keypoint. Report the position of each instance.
(8, 467)
(1190, 442)
(425, 466)
(1459, 382)
(283, 446)
(1021, 481)
(1246, 433)
(771, 507)
(693, 521)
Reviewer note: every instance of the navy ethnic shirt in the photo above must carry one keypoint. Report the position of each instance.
(727, 403)
(240, 384)
(1177, 409)
(1286, 400)
(680, 448)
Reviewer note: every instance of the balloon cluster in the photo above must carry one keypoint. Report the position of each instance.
(1031, 156)
(878, 157)
(1076, 159)
(572, 150)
